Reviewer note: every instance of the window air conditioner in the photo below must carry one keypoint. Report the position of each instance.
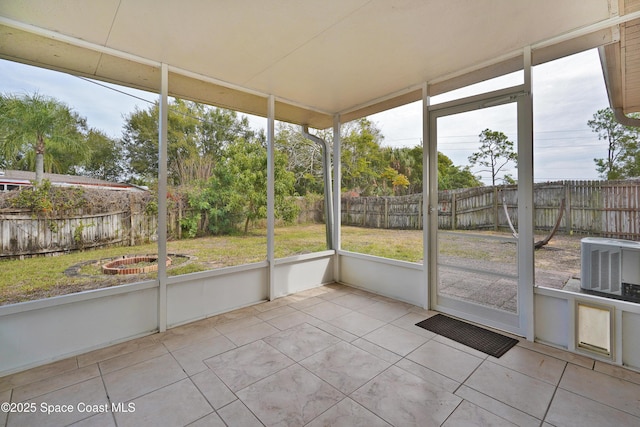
(611, 267)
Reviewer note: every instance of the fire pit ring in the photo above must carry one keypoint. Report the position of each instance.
(126, 265)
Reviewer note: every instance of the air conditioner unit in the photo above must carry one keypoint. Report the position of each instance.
(611, 267)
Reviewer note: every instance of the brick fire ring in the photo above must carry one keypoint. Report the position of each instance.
(124, 265)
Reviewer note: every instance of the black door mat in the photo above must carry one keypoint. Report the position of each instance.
(488, 342)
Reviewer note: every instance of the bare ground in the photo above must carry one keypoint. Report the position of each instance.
(562, 253)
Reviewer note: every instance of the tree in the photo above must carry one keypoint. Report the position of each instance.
(140, 142)
(400, 182)
(405, 164)
(29, 124)
(105, 159)
(496, 151)
(622, 146)
(451, 177)
(304, 159)
(197, 136)
(414, 174)
(397, 180)
(237, 191)
(362, 159)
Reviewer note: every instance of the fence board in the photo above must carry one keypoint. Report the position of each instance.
(22, 234)
(602, 208)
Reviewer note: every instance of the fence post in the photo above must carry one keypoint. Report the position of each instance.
(419, 222)
(364, 213)
(347, 220)
(132, 223)
(386, 213)
(495, 208)
(567, 207)
(454, 206)
(179, 226)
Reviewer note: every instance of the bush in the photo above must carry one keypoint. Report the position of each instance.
(43, 199)
(48, 200)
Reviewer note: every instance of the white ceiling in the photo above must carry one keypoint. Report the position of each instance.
(317, 57)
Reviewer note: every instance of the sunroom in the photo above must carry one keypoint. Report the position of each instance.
(319, 65)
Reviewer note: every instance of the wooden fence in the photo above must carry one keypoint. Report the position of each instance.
(602, 208)
(25, 235)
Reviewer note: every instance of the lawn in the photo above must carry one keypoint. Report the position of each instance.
(35, 278)
(41, 277)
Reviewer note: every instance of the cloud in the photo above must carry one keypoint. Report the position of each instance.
(566, 93)
(102, 107)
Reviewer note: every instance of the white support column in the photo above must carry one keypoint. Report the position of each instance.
(271, 206)
(526, 266)
(162, 197)
(427, 265)
(337, 199)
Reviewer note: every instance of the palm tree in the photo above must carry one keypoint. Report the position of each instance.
(28, 123)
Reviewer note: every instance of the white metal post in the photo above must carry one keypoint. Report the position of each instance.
(162, 197)
(430, 182)
(427, 264)
(271, 207)
(526, 255)
(337, 200)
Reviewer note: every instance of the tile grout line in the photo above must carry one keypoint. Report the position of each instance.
(468, 376)
(555, 390)
(502, 403)
(575, 392)
(106, 392)
(454, 410)
(202, 395)
(6, 421)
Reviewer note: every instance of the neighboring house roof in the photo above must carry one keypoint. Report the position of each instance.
(318, 58)
(70, 180)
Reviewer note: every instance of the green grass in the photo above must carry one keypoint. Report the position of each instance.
(41, 277)
(35, 278)
(404, 245)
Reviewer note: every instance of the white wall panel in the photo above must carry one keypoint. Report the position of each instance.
(34, 337)
(631, 340)
(297, 274)
(395, 279)
(556, 319)
(552, 320)
(196, 296)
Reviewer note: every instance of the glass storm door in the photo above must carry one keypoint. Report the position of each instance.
(474, 229)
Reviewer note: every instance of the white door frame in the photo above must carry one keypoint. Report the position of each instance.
(520, 323)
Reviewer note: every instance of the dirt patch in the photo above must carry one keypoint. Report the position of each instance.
(555, 263)
(562, 253)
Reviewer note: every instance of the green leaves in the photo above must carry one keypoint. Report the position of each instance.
(30, 125)
(495, 153)
(451, 177)
(623, 158)
(45, 200)
(236, 193)
(197, 137)
(362, 158)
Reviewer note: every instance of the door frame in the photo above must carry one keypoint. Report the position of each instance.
(519, 323)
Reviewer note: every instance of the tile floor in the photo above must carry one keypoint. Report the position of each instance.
(331, 356)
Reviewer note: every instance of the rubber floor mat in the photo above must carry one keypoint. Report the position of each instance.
(473, 336)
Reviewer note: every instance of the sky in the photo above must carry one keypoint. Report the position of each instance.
(567, 92)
